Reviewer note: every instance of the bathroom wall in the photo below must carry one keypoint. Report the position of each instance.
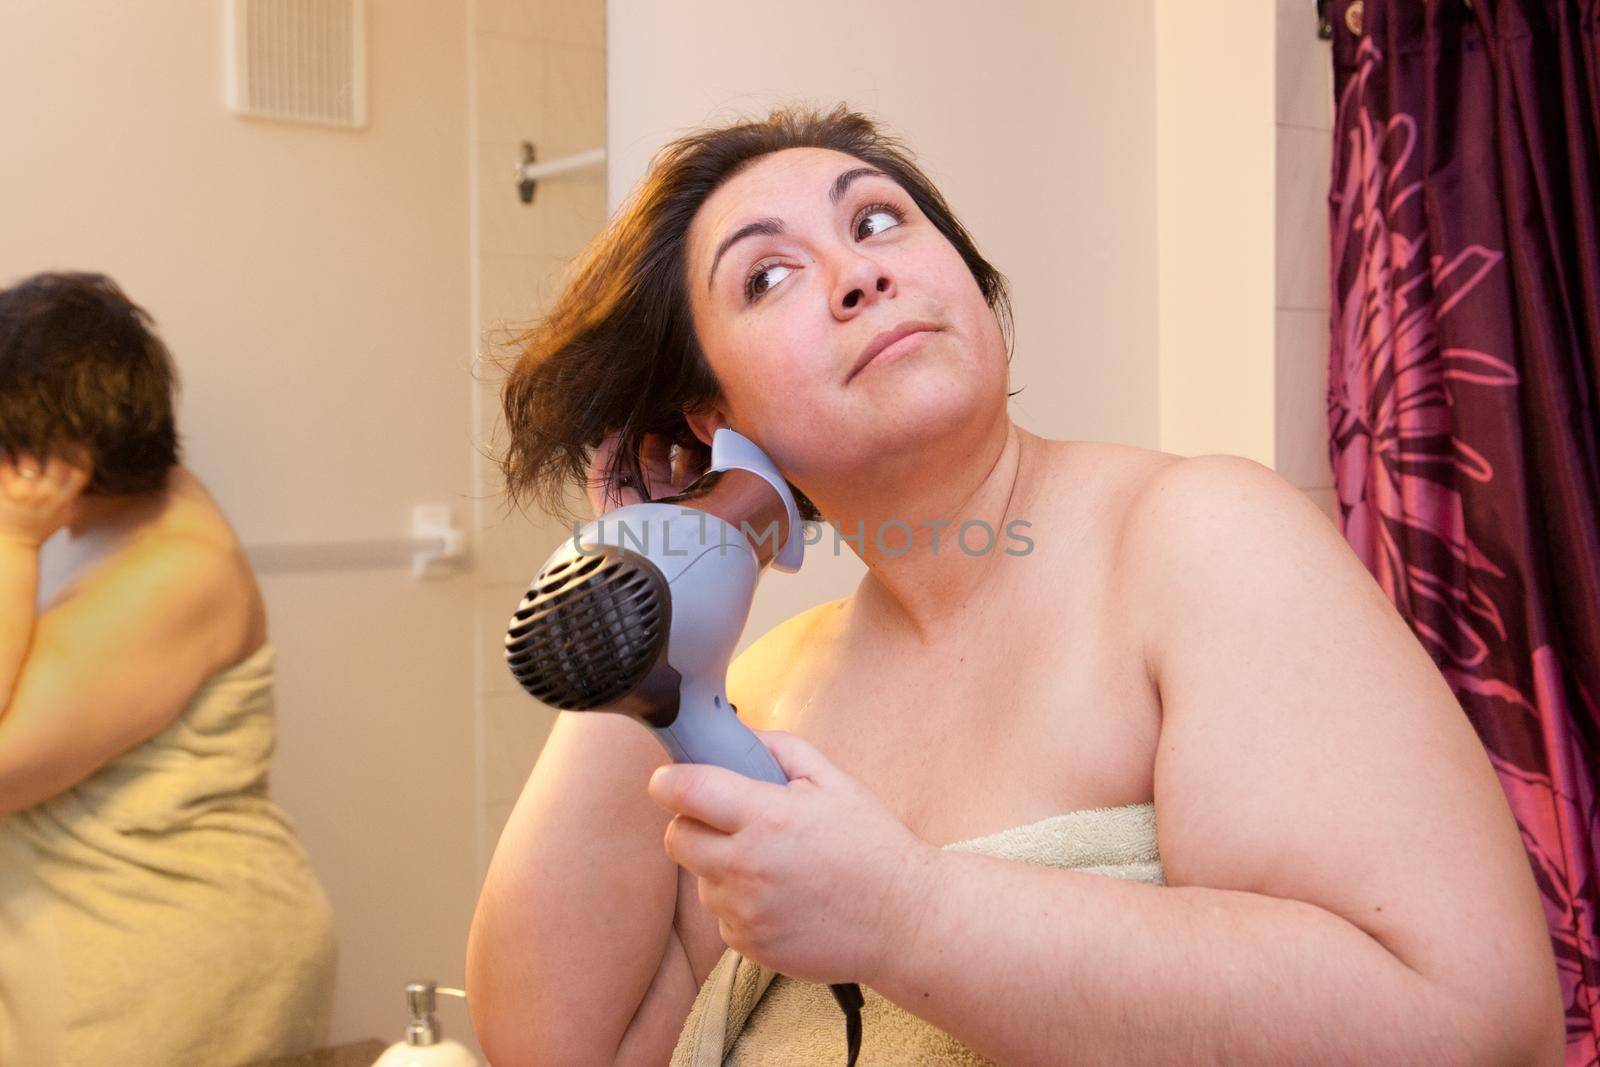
(1244, 114)
(313, 285)
(1214, 204)
(538, 75)
(1304, 127)
(1245, 109)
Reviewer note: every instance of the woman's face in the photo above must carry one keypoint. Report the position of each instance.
(784, 317)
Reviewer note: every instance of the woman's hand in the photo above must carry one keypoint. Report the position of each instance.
(817, 879)
(37, 499)
(668, 469)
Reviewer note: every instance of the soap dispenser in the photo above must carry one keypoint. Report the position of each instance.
(423, 1046)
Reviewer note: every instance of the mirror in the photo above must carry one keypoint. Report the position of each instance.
(265, 804)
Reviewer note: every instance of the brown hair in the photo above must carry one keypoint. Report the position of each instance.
(617, 350)
(81, 368)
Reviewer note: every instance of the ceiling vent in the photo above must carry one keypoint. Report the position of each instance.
(298, 60)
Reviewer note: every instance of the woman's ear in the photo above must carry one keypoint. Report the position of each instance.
(705, 425)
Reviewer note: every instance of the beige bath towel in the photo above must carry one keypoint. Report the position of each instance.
(745, 1015)
(162, 911)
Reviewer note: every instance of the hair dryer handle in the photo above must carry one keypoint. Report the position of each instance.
(710, 732)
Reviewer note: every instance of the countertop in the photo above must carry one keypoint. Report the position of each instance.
(355, 1054)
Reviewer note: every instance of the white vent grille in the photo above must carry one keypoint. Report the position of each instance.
(298, 60)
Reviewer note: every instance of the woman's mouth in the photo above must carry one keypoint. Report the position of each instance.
(892, 343)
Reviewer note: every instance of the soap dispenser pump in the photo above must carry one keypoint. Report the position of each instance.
(424, 1046)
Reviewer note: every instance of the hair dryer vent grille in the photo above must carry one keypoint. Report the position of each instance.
(590, 628)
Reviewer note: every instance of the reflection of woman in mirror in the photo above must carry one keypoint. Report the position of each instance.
(981, 744)
(155, 905)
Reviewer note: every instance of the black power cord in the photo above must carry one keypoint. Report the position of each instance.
(848, 994)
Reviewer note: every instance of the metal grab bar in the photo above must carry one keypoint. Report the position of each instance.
(435, 548)
(296, 557)
(528, 172)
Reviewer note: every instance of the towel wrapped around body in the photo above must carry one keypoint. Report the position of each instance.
(162, 910)
(746, 1015)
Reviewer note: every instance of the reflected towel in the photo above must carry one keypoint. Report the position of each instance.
(746, 1015)
(162, 910)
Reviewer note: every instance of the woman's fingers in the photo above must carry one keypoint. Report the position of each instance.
(655, 459)
(688, 463)
(53, 475)
(38, 497)
(693, 845)
(667, 468)
(64, 476)
(603, 496)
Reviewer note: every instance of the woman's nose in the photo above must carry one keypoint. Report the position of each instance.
(864, 276)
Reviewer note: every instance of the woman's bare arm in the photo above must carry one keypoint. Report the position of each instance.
(1346, 881)
(114, 663)
(556, 976)
(573, 921)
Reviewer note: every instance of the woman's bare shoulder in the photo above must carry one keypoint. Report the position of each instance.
(186, 547)
(758, 674)
(1109, 461)
(1100, 478)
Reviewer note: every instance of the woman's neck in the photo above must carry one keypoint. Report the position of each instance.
(934, 546)
(112, 516)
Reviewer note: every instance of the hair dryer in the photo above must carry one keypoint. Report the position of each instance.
(639, 612)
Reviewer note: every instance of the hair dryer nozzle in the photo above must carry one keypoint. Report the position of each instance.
(592, 632)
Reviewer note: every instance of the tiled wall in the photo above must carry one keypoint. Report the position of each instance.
(539, 75)
(1304, 146)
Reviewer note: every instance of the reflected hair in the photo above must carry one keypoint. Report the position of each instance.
(616, 351)
(82, 371)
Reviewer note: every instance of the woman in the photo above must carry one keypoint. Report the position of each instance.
(981, 744)
(155, 904)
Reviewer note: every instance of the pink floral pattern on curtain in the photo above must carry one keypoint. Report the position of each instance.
(1462, 397)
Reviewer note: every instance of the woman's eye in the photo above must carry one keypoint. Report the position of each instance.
(751, 292)
(883, 209)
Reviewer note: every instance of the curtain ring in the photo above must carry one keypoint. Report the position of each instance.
(1352, 16)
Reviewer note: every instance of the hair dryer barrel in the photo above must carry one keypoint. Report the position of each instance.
(747, 502)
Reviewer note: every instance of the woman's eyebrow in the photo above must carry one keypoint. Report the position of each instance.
(770, 226)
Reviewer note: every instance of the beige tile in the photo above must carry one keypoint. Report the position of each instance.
(1305, 68)
(488, 491)
(494, 605)
(488, 373)
(513, 546)
(488, 418)
(487, 381)
(517, 288)
(571, 210)
(506, 226)
(515, 729)
(575, 88)
(574, 22)
(523, 18)
(1301, 250)
(567, 212)
(512, 106)
(489, 437)
(1301, 400)
(488, 484)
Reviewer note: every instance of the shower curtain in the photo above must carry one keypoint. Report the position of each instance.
(1464, 393)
